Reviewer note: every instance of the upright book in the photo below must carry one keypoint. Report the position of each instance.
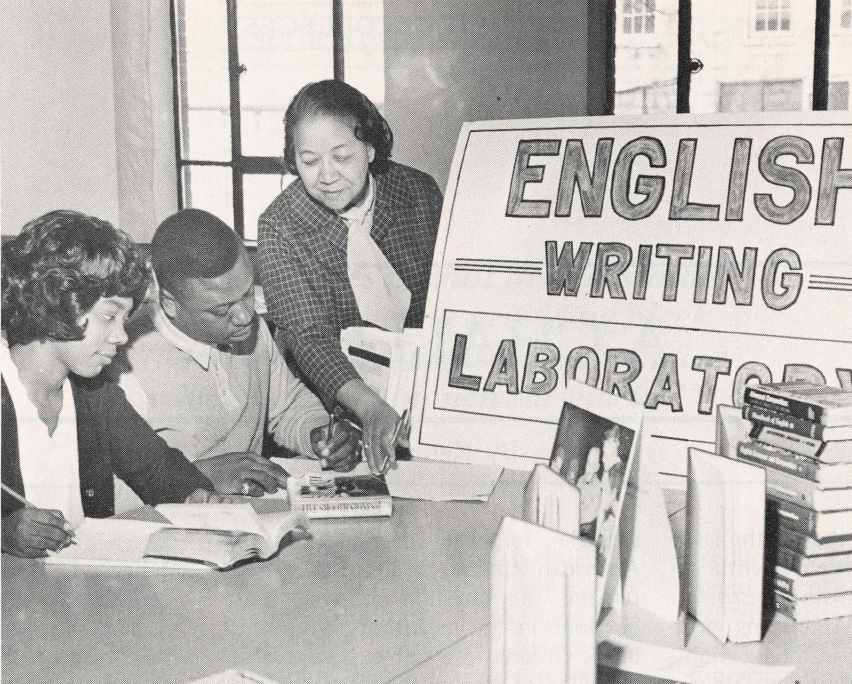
(725, 509)
(543, 611)
(332, 495)
(824, 404)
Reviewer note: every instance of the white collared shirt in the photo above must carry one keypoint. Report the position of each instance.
(50, 466)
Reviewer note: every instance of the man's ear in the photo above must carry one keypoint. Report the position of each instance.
(168, 303)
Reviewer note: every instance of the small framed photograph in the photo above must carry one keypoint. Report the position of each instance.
(596, 442)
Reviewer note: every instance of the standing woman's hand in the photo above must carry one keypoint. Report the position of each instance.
(379, 423)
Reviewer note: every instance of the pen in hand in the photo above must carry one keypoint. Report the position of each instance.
(404, 422)
(333, 417)
(11, 492)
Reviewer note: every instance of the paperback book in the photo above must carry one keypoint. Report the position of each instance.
(799, 586)
(803, 543)
(817, 608)
(800, 426)
(332, 495)
(826, 474)
(810, 565)
(824, 404)
(835, 451)
(822, 525)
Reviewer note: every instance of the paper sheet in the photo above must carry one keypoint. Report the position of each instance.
(682, 666)
(233, 677)
(427, 480)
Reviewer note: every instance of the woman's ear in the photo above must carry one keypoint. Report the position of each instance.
(168, 303)
(371, 153)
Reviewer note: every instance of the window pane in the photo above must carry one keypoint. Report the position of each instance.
(646, 57)
(769, 69)
(202, 36)
(258, 192)
(839, 49)
(283, 46)
(364, 47)
(209, 188)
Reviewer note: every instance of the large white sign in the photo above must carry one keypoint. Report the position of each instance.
(669, 261)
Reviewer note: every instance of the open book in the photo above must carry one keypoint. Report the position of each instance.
(197, 536)
(332, 495)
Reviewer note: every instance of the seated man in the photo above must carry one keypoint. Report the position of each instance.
(203, 370)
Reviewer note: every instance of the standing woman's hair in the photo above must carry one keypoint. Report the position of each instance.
(339, 100)
(57, 269)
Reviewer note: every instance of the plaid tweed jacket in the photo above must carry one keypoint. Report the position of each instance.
(302, 257)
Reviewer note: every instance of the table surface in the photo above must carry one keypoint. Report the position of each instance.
(400, 599)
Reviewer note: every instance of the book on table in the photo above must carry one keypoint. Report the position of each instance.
(543, 610)
(811, 565)
(828, 475)
(333, 495)
(725, 512)
(194, 536)
(801, 426)
(824, 404)
(816, 608)
(792, 486)
(822, 525)
(832, 452)
(799, 586)
(802, 542)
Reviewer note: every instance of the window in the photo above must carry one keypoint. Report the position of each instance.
(761, 96)
(844, 15)
(238, 64)
(638, 16)
(772, 16)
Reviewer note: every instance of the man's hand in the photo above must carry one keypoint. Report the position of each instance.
(243, 473)
(31, 532)
(341, 452)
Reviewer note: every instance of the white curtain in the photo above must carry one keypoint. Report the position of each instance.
(144, 119)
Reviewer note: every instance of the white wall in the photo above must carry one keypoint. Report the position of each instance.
(57, 119)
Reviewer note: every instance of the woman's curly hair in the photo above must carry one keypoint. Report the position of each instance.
(57, 269)
(339, 100)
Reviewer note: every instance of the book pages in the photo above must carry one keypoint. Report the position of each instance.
(542, 606)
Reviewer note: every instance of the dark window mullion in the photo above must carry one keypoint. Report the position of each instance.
(821, 44)
(236, 132)
(337, 38)
(684, 56)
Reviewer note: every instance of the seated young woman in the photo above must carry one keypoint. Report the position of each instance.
(69, 282)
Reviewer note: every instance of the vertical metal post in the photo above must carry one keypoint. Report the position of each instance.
(822, 32)
(684, 56)
(337, 38)
(234, 70)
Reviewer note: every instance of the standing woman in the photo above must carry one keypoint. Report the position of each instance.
(69, 282)
(348, 243)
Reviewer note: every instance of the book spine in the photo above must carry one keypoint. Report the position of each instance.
(799, 444)
(787, 558)
(795, 517)
(349, 508)
(784, 422)
(766, 399)
(779, 459)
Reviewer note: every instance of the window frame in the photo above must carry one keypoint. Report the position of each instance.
(241, 165)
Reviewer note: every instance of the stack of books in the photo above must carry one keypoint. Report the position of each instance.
(802, 434)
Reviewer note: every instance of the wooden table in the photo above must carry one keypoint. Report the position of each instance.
(403, 599)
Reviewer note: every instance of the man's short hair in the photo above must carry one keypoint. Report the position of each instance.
(58, 267)
(192, 244)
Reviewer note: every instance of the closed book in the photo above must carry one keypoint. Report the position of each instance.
(327, 495)
(817, 608)
(803, 543)
(809, 565)
(834, 452)
(830, 406)
(821, 525)
(835, 475)
(800, 426)
(798, 490)
(806, 586)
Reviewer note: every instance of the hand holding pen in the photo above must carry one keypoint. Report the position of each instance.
(336, 445)
(30, 532)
